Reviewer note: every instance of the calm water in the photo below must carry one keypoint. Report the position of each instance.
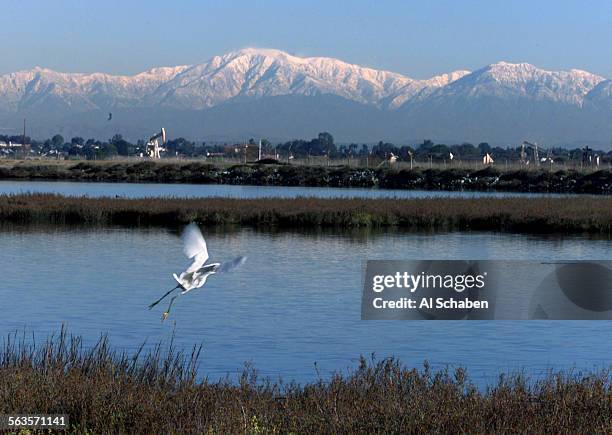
(141, 190)
(295, 302)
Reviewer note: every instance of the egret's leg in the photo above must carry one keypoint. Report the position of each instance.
(167, 312)
(160, 299)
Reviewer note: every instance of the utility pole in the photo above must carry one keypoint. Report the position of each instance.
(23, 145)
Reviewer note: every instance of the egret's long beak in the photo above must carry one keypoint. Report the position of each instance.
(166, 294)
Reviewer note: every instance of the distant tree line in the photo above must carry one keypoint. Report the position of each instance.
(101, 149)
(321, 146)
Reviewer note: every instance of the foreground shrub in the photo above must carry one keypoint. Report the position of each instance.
(158, 391)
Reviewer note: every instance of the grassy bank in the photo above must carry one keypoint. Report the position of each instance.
(160, 392)
(452, 178)
(531, 215)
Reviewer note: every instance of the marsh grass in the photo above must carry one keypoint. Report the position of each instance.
(160, 391)
(563, 215)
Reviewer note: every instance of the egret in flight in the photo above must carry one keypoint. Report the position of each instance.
(194, 247)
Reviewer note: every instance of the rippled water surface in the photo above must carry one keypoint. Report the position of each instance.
(296, 301)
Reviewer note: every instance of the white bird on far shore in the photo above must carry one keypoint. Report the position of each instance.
(194, 247)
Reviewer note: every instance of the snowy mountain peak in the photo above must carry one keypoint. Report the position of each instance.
(261, 52)
(525, 80)
(258, 72)
(445, 79)
(527, 71)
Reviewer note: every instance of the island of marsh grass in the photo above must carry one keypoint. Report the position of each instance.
(160, 391)
(515, 179)
(562, 215)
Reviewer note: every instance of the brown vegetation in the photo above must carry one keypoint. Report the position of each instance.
(531, 215)
(103, 391)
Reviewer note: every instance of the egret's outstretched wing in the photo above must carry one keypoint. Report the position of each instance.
(230, 265)
(198, 262)
(194, 246)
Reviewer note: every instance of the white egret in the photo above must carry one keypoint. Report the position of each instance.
(194, 247)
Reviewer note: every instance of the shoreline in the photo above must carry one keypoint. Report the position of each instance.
(486, 179)
(576, 215)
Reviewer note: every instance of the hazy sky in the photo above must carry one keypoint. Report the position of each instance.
(416, 38)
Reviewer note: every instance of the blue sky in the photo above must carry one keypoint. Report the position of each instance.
(416, 38)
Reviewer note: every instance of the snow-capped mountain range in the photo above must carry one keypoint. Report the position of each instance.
(268, 92)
